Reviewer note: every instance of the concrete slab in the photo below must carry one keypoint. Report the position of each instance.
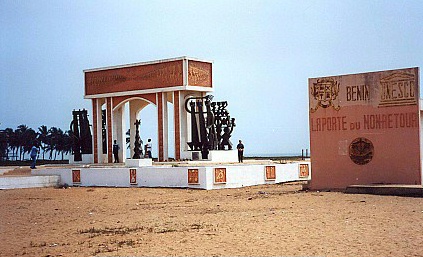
(398, 190)
(14, 182)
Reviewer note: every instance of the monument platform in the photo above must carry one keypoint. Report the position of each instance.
(397, 190)
(189, 174)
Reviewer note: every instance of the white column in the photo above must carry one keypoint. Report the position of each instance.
(165, 127)
(118, 131)
(185, 123)
(123, 133)
(132, 117)
(100, 156)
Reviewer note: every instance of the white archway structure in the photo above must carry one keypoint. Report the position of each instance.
(156, 82)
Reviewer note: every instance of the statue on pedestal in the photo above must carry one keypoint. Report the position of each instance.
(137, 145)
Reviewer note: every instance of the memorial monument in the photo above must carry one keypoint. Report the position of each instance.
(140, 84)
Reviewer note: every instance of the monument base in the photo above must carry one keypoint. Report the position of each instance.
(86, 159)
(214, 156)
(138, 162)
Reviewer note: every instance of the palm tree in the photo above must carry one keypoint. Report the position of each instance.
(60, 143)
(21, 140)
(11, 142)
(64, 144)
(52, 141)
(42, 138)
(30, 140)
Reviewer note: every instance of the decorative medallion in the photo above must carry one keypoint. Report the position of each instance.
(76, 176)
(270, 173)
(193, 177)
(304, 171)
(325, 91)
(133, 176)
(220, 175)
(361, 151)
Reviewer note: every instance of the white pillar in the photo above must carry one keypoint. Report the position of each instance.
(185, 123)
(132, 117)
(100, 155)
(123, 132)
(165, 127)
(118, 132)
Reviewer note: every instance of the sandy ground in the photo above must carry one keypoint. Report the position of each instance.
(255, 221)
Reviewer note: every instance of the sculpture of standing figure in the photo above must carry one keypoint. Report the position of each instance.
(137, 145)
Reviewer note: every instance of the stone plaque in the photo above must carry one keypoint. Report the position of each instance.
(361, 151)
(133, 176)
(193, 177)
(270, 173)
(220, 175)
(304, 172)
(76, 176)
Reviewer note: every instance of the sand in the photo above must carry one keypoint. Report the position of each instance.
(255, 221)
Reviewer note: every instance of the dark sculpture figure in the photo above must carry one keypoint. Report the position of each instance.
(195, 143)
(103, 131)
(137, 145)
(215, 125)
(81, 134)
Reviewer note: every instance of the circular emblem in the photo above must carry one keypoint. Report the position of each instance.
(361, 151)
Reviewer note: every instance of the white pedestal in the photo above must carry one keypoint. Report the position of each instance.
(214, 156)
(86, 159)
(138, 162)
(223, 156)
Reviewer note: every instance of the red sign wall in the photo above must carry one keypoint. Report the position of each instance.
(364, 128)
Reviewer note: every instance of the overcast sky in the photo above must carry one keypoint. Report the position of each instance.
(263, 53)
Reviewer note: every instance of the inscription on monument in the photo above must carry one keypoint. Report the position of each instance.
(398, 89)
(358, 93)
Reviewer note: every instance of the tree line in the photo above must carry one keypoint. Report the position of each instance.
(16, 143)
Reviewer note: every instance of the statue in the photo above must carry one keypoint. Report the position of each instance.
(214, 125)
(103, 131)
(81, 134)
(137, 145)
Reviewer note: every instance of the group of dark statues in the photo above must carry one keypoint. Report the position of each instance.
(211, 129)
(214, 127)
(81, 134)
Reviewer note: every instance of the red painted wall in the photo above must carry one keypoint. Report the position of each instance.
(364, 129)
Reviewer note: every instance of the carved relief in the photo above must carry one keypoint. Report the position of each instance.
(270, 172)
(199, 74)
(133, 176)
(165, 75)
(193, 177)
(361, 151)
(220, 175)
(325, 91)
(304, 171)
(76, 176)
(398, 89)
(158, 75)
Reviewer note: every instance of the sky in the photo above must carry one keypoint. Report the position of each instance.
(263, 53)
